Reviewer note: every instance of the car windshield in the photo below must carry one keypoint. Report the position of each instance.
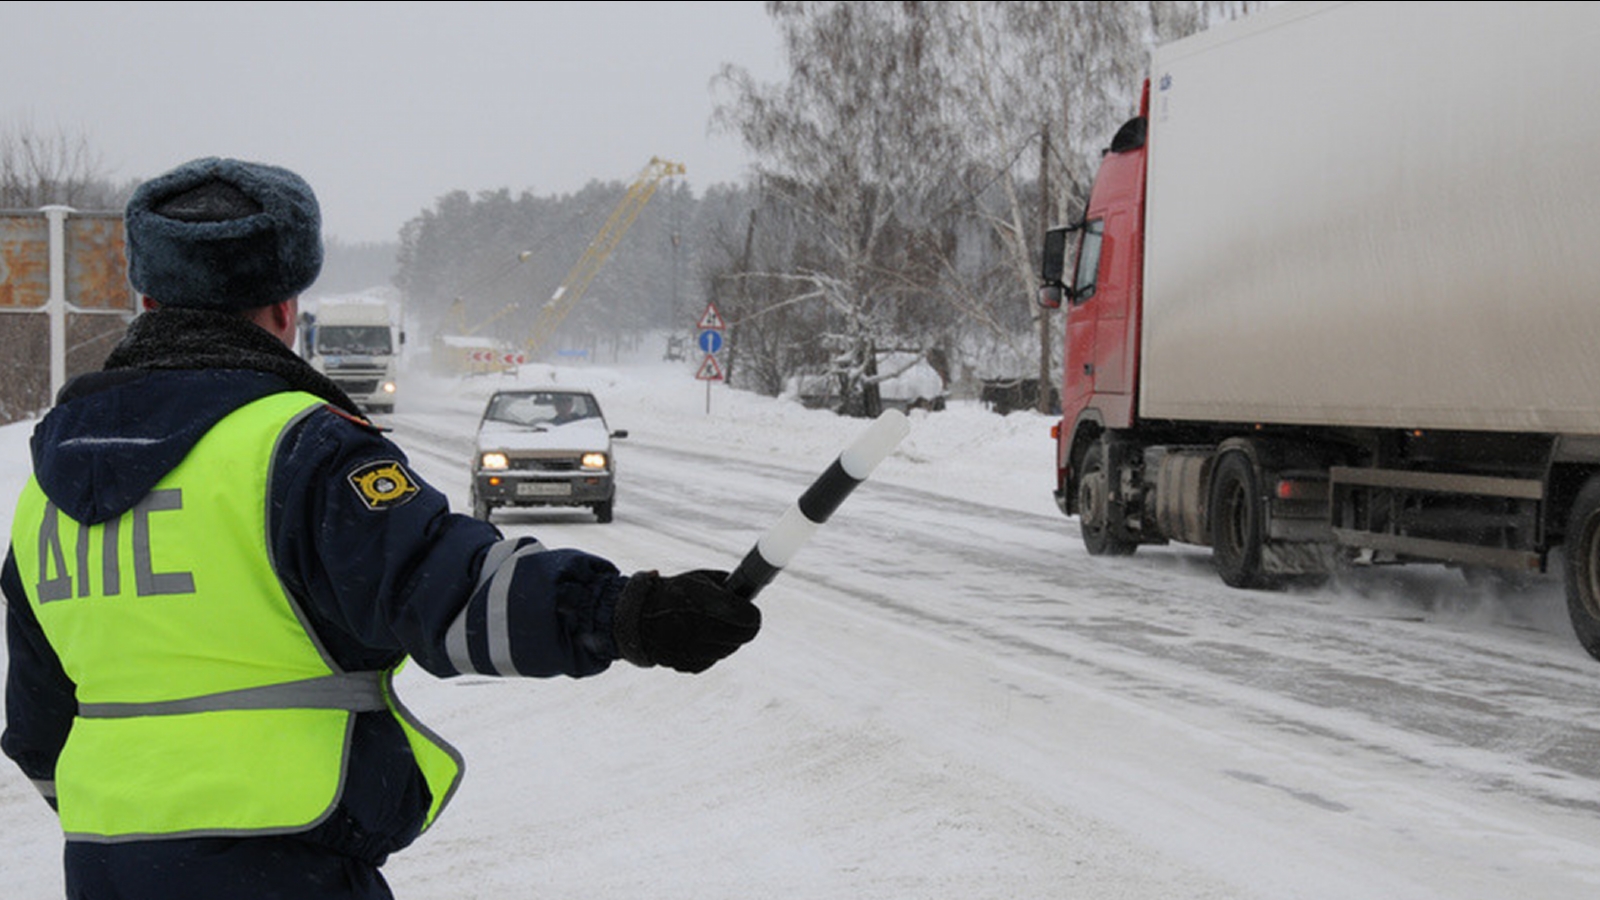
(540, 408)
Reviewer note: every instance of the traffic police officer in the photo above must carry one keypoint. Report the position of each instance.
(218, 566)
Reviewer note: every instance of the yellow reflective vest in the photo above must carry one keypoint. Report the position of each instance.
(206, 706)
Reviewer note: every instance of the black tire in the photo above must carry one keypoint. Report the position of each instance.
(602, 512)
(1093, 484)
(1237, 512)
(481, 508)
(1580, 551)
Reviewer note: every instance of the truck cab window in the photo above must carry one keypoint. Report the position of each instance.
(1083, 282)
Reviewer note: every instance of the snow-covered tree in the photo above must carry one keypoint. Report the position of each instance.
(852, 145)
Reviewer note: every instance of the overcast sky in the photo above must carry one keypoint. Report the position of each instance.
(384, 107)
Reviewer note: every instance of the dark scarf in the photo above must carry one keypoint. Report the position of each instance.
(179, 338)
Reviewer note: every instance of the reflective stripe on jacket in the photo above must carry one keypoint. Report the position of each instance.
(206, 705)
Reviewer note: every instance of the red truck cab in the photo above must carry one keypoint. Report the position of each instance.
(1100, 381)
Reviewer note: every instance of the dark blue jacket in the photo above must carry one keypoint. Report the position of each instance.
(376, 583)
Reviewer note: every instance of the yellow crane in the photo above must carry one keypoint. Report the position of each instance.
(571, 290)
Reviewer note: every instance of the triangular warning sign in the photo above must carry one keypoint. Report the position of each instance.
(710, 370)
(711, 318)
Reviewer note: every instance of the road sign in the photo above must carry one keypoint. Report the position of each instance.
(710, 341)
(710, 370)
(711, 318)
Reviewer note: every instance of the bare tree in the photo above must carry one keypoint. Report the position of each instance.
(39, 168)
(848, 143)
(1054, 77)
(924, 148)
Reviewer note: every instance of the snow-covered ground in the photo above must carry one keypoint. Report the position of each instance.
(950, 699)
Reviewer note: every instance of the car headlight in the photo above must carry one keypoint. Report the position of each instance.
(494, 461)
(594, 460)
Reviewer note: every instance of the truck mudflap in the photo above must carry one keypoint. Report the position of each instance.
(1060, 497)
(1283, 558)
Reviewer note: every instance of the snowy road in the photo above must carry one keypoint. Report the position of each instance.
(949, 699)
(1022, 716)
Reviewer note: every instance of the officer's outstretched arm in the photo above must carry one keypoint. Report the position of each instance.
(385, 565)
(383, 568)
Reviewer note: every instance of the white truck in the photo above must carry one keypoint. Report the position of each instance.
(1334, 298)
(356, 343)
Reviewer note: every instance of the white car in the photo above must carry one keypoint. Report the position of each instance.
(544, 447)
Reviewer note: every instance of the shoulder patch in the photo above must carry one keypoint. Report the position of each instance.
(384, 484)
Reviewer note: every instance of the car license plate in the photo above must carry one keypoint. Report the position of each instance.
(544, 489)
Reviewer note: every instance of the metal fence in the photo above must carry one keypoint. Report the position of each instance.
(65, 301)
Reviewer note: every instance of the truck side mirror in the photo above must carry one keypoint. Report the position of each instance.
(1052, 266)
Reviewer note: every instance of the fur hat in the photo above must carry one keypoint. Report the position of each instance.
(223, 234)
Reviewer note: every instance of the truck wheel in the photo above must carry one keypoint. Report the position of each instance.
(1236, 522)
(480, 508)
(1581, 557)
(1094, 488)
(602, 512)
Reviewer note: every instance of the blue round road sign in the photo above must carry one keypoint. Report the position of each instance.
(710, 341)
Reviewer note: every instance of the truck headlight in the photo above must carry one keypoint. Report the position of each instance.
(388, 387)
(594, 460)
(494, 461)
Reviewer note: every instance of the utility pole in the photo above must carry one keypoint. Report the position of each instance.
(1046, 217)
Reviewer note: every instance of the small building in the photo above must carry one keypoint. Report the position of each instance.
(915, 385)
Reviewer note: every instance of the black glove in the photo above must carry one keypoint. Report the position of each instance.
(685, 622)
